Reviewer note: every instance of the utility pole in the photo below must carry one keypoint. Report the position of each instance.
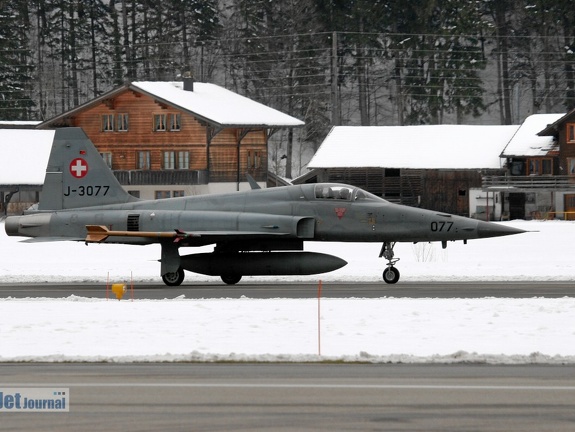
(335, 120)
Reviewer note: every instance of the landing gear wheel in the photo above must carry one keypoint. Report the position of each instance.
(391, 275)
(175, 278)
(231, 279)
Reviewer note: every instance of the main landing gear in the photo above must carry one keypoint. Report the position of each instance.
(174, 279)
(390, 274)
(231, 279)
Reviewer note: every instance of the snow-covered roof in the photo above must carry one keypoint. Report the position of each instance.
(417, 147)
(19, 123)
(526, 142)
(24, 156)
(217, 104)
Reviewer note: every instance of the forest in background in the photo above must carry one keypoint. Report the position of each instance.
(327, 62)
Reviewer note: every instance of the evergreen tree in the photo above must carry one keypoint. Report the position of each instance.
(248, 47)
(501, 12)
(199, 27)
(118, 60)
(535, 56)
(65, 33)
(564, 13)
(97, 59)
(15, 63)
(438, 58)
(396, 61)
(273, 58)
(299, 85)
(358, 24)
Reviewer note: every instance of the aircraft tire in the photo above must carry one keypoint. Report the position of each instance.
(174, 279)
(390, 275)
(231, 279)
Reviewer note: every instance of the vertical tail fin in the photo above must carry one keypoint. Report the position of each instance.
(77, 176)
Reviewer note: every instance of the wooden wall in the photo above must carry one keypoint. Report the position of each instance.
(448, 191)
(440, 190)
(192, 137)
(224, 155)
(567, 150)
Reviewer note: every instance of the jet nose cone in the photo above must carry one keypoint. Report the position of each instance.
(492, 229)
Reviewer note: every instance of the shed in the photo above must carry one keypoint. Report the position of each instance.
(24, 156)
(431, 166)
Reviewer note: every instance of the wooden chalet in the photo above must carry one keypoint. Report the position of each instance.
(437, 167)
(540, 161)
(165, 139)
(562, 131)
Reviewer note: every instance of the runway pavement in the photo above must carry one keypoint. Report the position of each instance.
(305, 290)
(299, 397)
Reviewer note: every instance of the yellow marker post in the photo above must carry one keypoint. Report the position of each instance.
(119, 289)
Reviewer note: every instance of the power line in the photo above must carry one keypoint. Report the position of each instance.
(309, 69)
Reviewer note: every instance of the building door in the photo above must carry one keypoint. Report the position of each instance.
(516, 206)
(569, 206)
(462, 200)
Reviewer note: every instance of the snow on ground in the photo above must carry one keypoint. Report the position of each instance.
(353, 329)
(377, 330)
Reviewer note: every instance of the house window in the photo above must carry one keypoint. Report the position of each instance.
(175, 122)
(518, 168)
(178, 193)
(183, 160)
(160, 122)
(254, 159)
(571, 166)
(543, 166)
(176, 160)
(122, 122)
(547, 167)
(571, 133)
(162, 194)
(143, 158)
(107, 156)
(134, 193)
(169, 160)
(108, 122)
(534, 166)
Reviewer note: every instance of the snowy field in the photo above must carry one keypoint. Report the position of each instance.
(534, 330)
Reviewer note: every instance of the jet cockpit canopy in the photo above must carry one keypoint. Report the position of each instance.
(334, 191)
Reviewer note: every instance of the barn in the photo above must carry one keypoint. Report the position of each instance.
(430, 166)
(23, 159)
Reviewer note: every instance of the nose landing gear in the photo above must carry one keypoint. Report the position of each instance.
(390, 274)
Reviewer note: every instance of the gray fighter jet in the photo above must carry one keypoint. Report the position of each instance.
(257, 232)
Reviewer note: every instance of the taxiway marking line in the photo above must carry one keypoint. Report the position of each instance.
(299, 385)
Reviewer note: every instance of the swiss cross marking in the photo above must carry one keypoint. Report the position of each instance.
(78, 168)
(340, 211)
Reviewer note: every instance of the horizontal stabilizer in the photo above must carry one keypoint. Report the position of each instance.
(50, 239)
(253, 183)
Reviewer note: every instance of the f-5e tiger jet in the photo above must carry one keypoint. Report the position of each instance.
(256, 232)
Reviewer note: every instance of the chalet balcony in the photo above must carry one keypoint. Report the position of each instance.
(166, 177)
(528, 183)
